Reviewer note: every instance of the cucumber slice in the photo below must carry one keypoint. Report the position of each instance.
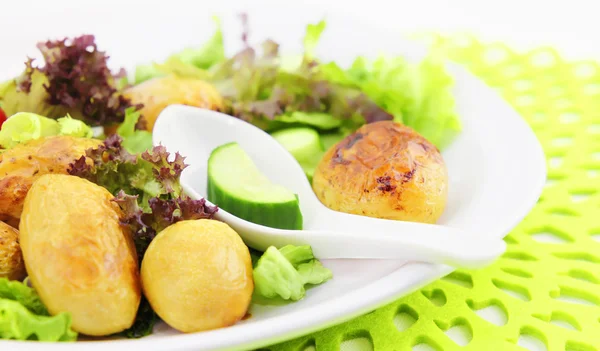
(304, 144)
(236, 185)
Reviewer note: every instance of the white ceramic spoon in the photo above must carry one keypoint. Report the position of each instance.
(195, 132)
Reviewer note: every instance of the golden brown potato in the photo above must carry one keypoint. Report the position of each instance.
(157, 93)
(384, 170)
(11, 260)
(197, 275)
(79, 258)
(23, 164)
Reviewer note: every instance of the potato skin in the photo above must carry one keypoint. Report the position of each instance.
(79, 258)
(384, 170)
(11, 259)
(23, 164)
(157, 93)
(197, 275)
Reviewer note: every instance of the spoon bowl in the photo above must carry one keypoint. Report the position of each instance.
(196, 132)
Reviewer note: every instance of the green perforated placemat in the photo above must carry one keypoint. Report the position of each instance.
(546, 287)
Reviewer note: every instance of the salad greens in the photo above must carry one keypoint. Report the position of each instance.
(24, 317)
(277, 92)
(74, 78)
(134, 140)
(25, 126)
(418, 95)
(284, 273)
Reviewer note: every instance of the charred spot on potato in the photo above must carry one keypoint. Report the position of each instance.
(406, 177)
(338, 158)
(345, 144)
(353, 139)
(385, 184)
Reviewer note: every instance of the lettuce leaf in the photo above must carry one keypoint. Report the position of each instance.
(25, 126)
(17, 322)
(24, 317)
(275, 276)
(74, 78)
(146, 187)
(416, 94)
(134, 141)
(311, 37)
(21, 293)
(314, 273)
(74, 127)
(283, 274)
(297, 255)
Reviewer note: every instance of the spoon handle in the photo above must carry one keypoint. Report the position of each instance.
(449, 250)
(364, 237)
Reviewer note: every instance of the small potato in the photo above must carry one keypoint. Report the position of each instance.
(11, 260)
(23, 164)
(197, 275)
(384, 170)
(157, 93)
(79, 258)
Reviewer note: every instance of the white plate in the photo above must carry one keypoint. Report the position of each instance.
(496, 166)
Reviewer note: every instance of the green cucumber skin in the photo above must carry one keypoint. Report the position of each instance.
(285, 215)
(281, 215)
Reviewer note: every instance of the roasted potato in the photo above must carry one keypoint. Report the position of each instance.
(384, 170)
(23, 164)
(79, 258)
(197, 275)
(11, 260)
(157, 93)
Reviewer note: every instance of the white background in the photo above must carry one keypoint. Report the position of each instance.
(572, 26)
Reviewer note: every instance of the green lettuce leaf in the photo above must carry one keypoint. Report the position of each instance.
(282, 274)
(416, 94)
(74, 127)
(24, 317)
(176, 66)
(26, 126)
(26, 296)
(144, 72)
(314, 273)
(297, 255)
(134, 141)
(17, 322)
(275, 276)
(311, 37)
